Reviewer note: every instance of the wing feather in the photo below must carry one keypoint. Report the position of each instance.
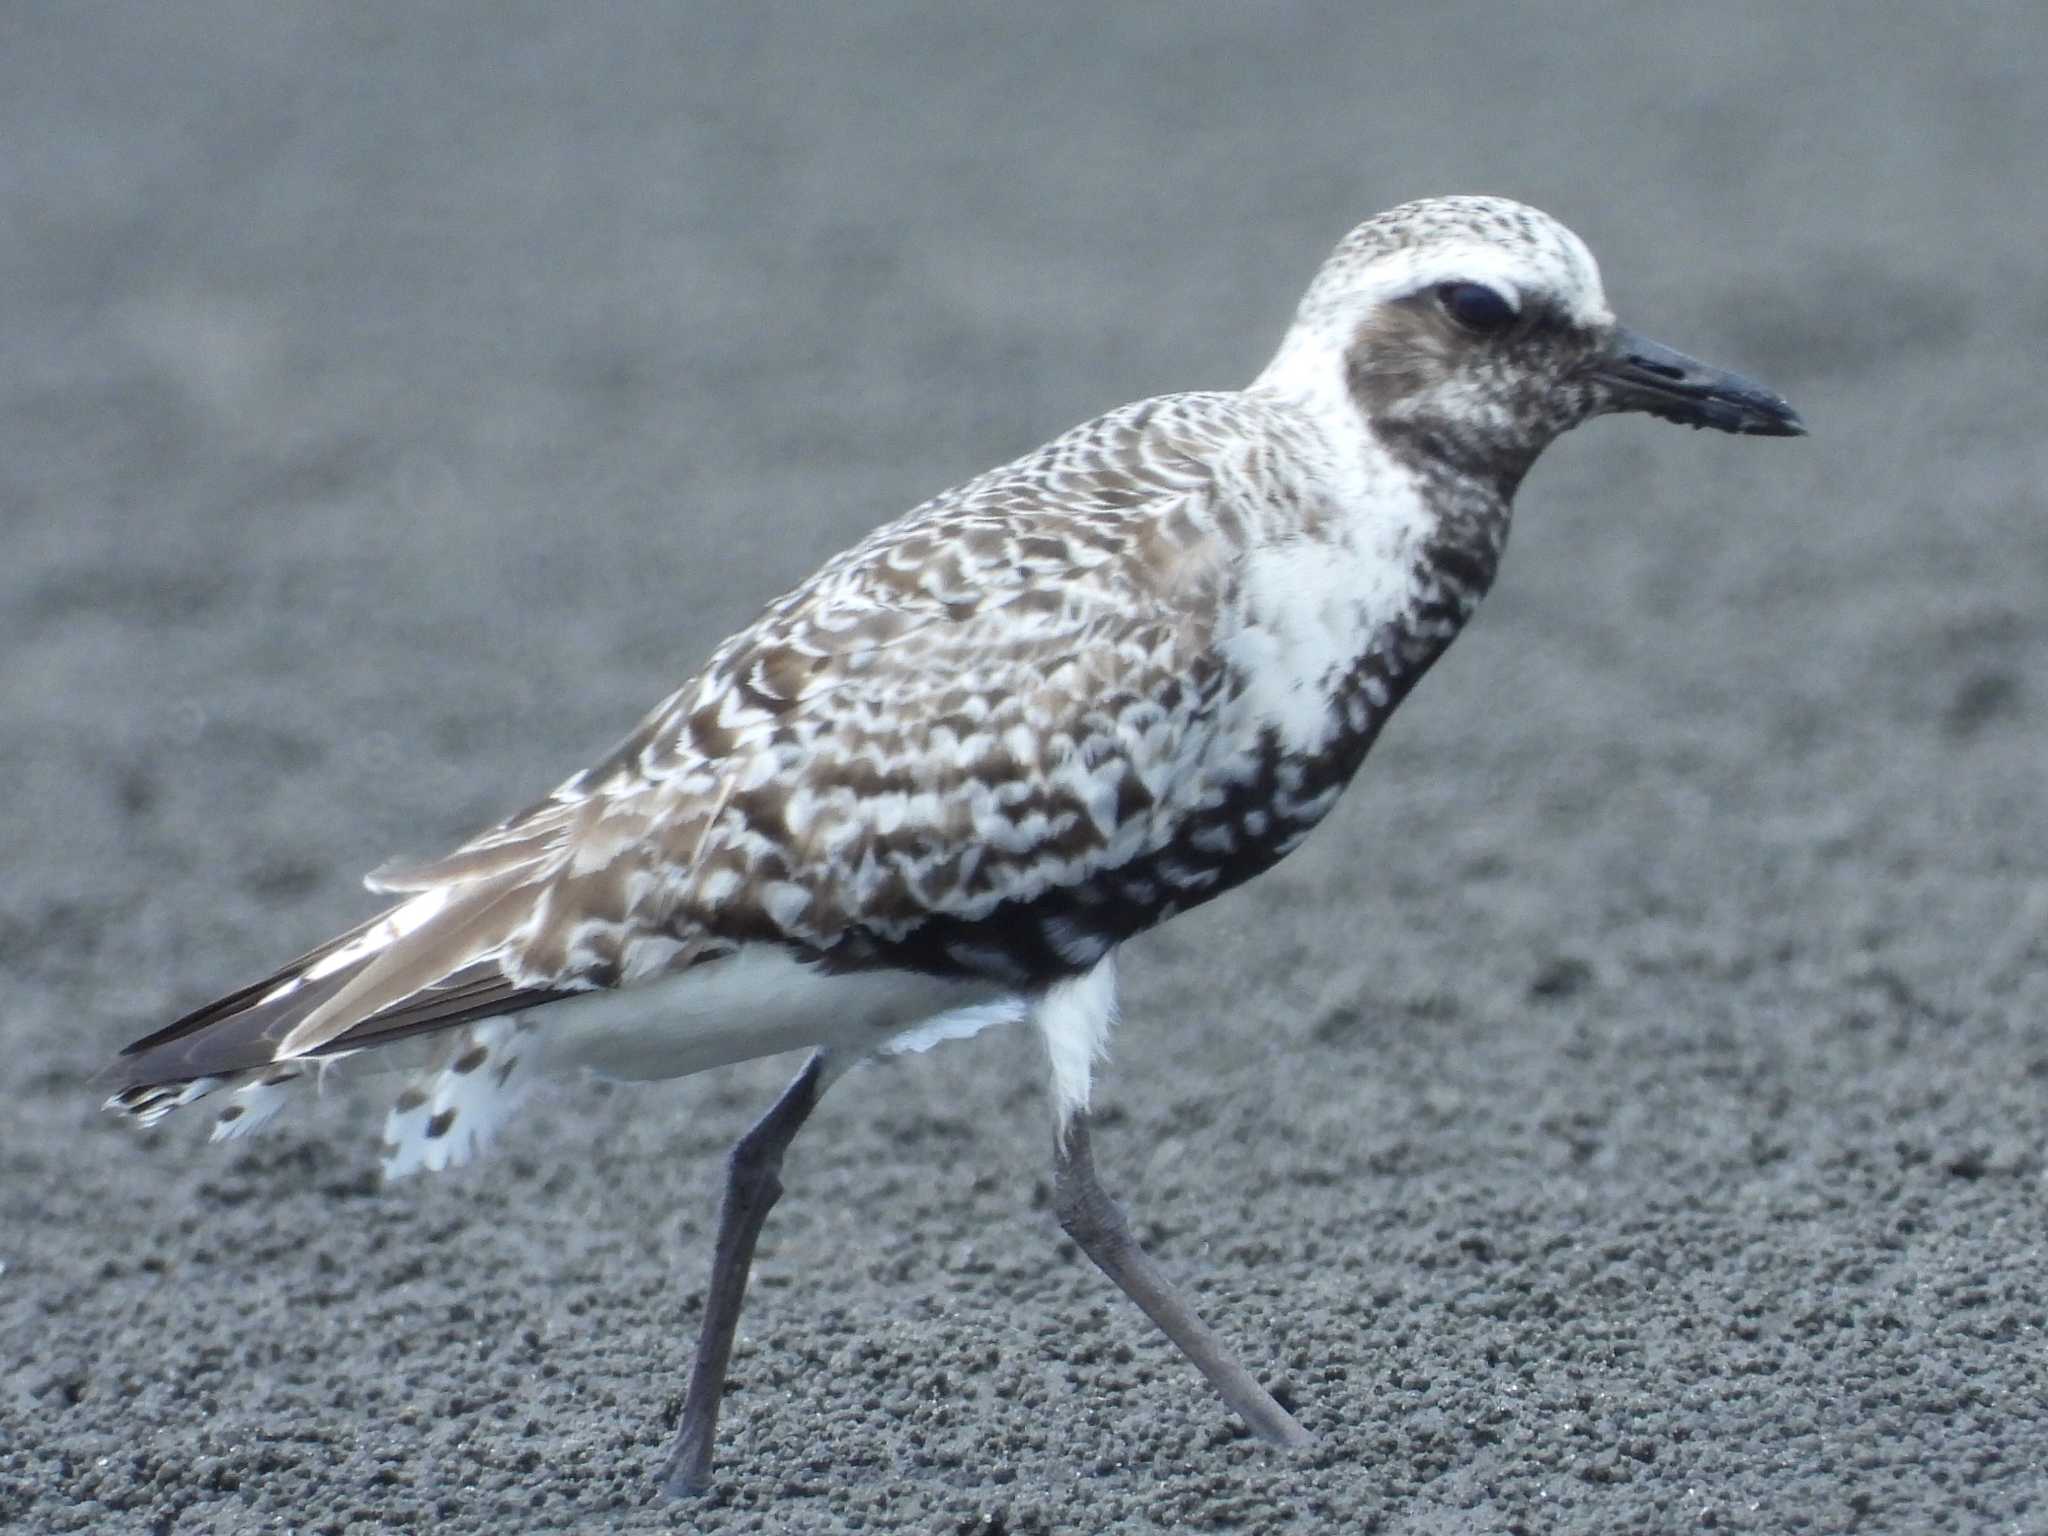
(987, 698)
(971, 710)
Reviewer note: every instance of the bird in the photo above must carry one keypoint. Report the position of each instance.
(938, 785)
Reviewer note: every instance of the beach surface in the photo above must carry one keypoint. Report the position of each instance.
(1627, 1113)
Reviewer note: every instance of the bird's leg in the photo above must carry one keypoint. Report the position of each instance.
(1097, 1224)
(752, 1186)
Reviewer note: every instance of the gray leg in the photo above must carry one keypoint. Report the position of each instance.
(753, 1184)
(1094, 1221)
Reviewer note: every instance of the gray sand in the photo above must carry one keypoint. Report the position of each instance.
(1627, 1114)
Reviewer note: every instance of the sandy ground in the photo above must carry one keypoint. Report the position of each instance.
(1626, 1114)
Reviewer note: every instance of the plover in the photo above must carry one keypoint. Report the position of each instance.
(938, 784)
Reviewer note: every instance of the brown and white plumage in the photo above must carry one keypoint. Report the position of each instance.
(967, 758)
(934, 787)
(966, 748)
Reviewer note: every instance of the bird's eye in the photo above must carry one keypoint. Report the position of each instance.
(1476, 307)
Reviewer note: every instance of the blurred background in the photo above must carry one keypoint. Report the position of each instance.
(1625, 1113)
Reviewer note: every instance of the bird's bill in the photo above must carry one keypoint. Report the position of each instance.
(1643, 375)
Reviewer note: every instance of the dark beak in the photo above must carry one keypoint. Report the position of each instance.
(1642, 375)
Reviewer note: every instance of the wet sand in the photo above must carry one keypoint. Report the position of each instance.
(1625, 1114)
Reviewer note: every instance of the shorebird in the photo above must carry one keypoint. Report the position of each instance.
(936, 786)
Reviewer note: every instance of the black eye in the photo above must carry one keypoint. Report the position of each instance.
(1476, 307)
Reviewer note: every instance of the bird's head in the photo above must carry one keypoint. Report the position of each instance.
(1475, 329)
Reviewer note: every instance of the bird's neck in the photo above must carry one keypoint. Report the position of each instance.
(1369, 569)
(1462, 461)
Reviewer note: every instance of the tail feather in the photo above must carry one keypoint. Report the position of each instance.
(150, 1102)
(430, 963)
(475, 934)
(452, 1112)
(255, 1103)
